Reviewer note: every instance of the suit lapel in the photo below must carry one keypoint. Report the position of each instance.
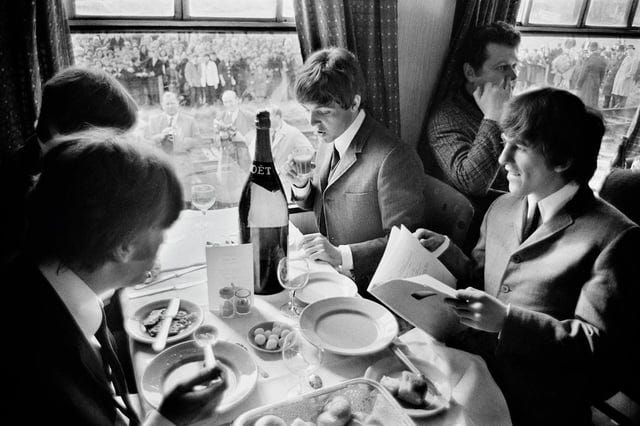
(562, 219)
(355, 147)
(323, 171)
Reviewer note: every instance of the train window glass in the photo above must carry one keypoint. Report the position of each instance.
(137, 8)
(257, 9)
(611, 13)
(602, 71)
(553, 12)
(256, 68)
(636, 20)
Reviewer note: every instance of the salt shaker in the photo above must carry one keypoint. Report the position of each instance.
(226, 307)
(243, 301)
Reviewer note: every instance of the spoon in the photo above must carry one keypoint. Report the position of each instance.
(205, 337)
(315, 381)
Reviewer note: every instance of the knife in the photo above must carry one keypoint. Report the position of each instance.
(405, 359)
(163, 332)
(170, 277)
(431, 389)
(180, 286)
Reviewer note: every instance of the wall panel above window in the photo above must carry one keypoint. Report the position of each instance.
(124, 8)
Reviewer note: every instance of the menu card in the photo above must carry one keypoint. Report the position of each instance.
(412, 282)
(228, 268)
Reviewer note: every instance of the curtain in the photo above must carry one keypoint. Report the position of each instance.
(368, 28)
(35, 43)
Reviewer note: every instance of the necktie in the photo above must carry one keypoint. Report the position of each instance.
(532, 225)
(335, 158)
(114, 372)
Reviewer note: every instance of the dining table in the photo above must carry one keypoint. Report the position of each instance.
(475, 397)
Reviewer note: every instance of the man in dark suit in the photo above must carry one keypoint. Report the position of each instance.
(96, 218)
(375, 182)
(554, 275)
(73, 99)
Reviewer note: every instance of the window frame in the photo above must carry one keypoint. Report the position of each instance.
(580, 29)
(181, 21)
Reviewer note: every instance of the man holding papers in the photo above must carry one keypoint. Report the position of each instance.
(366, 180)
(554, 270)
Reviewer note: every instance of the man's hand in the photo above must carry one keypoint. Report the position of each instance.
(491, 98)
(479, 310)
(429, 239)
(194, 399)
(291, 171)
(317, 247)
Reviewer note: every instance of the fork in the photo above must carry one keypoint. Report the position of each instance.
(263, 373)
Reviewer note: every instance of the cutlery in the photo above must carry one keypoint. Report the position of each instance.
(163, 332)
(431, 389)
(405, 359)
(205, 337)
(170, 277)
(263, 373)
(179, 286)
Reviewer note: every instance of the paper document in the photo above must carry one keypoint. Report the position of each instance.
(412, 283)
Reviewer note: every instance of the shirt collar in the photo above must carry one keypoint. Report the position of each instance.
(342, 142)
(552, 204)
(83, 304)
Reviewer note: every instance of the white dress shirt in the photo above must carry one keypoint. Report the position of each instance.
(551, 204)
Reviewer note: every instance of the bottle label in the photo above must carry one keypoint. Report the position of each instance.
(268, 208)
(262, 169)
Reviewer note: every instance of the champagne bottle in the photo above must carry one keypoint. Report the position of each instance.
(264, 216)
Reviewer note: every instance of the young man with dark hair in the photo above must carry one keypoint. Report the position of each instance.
(73, 99)
(554, 275)
(366, 180)
(463, 132)
(96, 218)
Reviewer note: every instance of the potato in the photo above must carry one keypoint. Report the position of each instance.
(271, 344)
(260, 339)
(258, 330)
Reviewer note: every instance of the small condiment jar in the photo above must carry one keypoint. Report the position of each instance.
(226, 307)
(243, 301)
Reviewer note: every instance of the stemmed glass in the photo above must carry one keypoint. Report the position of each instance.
(302, 358)
(203, 197)
(293, 274)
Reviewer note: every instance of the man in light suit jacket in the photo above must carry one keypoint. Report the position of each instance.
(234, 117)
(172, 130)
(376, 181)
(79, 248)
(555, 271)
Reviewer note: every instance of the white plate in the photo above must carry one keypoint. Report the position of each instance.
(184, 360)
(137, 331)
(323, 285)
(348, 325)
(392, 367)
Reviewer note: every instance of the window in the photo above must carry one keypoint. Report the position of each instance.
(591, 49)
(220, 64)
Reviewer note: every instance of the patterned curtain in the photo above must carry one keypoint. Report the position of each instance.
(368, 28)
(35, 43)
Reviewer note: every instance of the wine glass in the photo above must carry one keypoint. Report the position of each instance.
(203, 196)
(302, 358)
(293, 274)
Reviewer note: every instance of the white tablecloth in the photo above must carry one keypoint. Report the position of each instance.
(476, 398)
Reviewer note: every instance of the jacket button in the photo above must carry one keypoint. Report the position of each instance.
(517, 259)
(505, 288)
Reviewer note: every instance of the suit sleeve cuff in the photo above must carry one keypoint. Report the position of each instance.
(347, 259)
(443, 247)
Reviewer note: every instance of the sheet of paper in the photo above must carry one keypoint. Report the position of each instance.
(405, 257)
(226, 265)
(419, 300)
